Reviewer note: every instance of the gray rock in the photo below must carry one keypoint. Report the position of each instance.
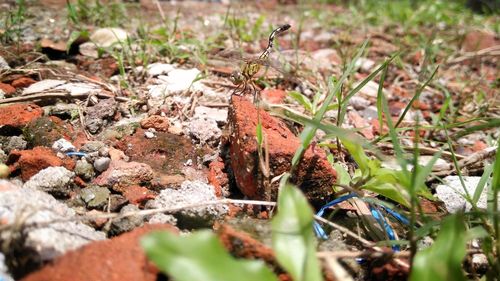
(3, 156)
(92, 146)
(62, 110)
(54, 180)
(63, 145)
(359, 103)
(95, 197)
(98, 115)
(47, 240)
(102, 164)
(84, 169)
(451, 193)
(3, 64)
(190, 192)
(205, 131)
(125, 224)
(162, 219)
(16, 142)
(116, 202)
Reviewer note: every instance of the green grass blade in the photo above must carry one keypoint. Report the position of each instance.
(443, 260)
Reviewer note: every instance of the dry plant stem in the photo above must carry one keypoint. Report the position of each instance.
(15, 225)
(55, 95)
(493, 51)
(337, 269)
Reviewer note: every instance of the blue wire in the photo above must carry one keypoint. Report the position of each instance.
(388, 229)
(396, 215)
(317, 227)
(76, 153)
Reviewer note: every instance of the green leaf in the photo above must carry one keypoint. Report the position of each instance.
(495, 182)
(343, 176)
(74, 36)
(302, 100)
(293, 238)
(482, 183)
(200, 256)
(443, 260)
(259, 134)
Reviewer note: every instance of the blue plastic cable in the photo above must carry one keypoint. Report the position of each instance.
(388, 229)
(76, 153)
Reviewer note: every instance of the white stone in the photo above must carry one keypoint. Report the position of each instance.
(106, 37)
(451, 193)
(89, 49)
(63, 145)
(41, 86)
(156, 69)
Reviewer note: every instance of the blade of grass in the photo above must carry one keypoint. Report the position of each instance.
(310, 130)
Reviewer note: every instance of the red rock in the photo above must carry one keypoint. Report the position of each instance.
(22, 82)
(362, 124)
(275, 96)
(54, 45)
(314, 174)
(7, 89)
(118, 259)
(478, 40)
(122, 174)
(479, 145)
(18, 115)
(160, 123)
(116, 154)
(32, 161)
(136, 194)
(217, 177)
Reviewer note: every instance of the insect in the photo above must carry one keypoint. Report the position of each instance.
(243, 78)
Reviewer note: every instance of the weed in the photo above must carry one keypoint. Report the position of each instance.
(13, 24)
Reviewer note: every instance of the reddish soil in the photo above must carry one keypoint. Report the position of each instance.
(32, 161)
(19, 115)
(118, 259)
(217, 177)
(166, 153)
(314, 174)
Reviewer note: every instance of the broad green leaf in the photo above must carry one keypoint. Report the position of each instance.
(443, 260)
(389, 190)
(302, 100)
(200, 256)
(343, 176)
(293, 237)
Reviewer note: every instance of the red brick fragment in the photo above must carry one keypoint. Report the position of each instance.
(217, 177)
(118, 259)
(314, 175)
(18, 115)
(137, 195)
(22, 82)
(7, 89)
(160, 123)
(30, 162)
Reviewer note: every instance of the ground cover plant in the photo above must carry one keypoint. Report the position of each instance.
(261, 140)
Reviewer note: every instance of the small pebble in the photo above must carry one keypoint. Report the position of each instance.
(102, 164)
